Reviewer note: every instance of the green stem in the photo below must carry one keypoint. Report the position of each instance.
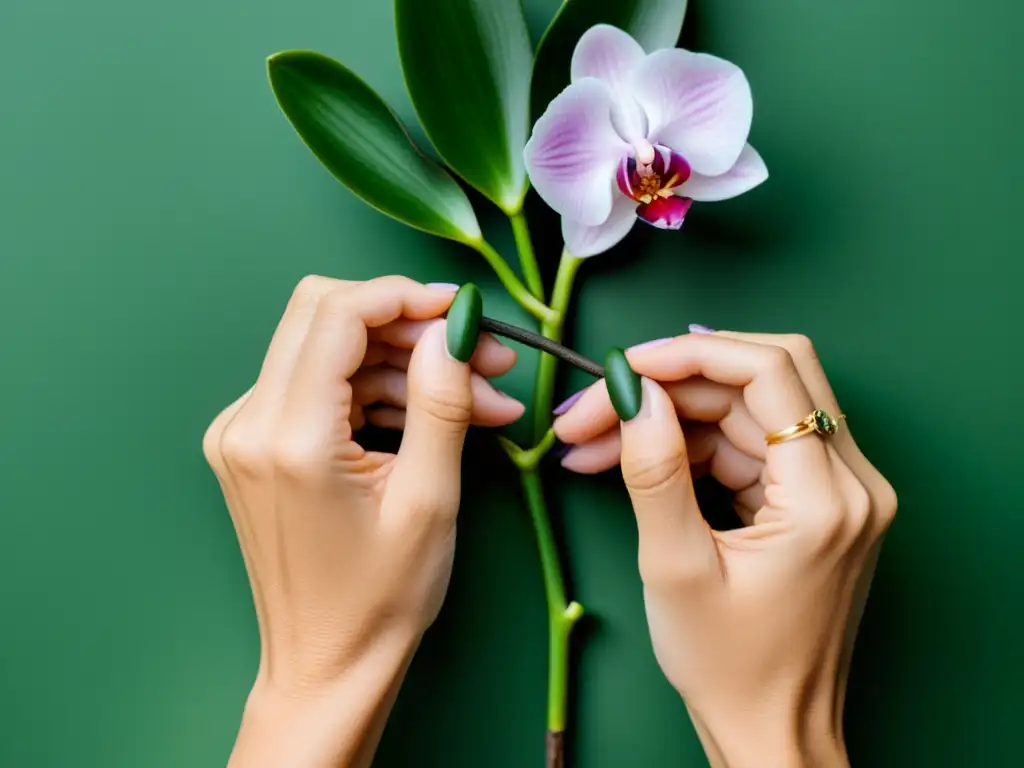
(512, 283)
(531, 271)
(561, 616)
(544, 390)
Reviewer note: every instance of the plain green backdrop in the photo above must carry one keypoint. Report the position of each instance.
(156, 210)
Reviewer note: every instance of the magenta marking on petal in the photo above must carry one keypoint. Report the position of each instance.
(674, 168)
(624, 175)
(665, 212)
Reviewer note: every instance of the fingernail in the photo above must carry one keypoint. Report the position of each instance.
(568, 403)
(623, 384)
(462, 329)
(559, 451)
(697, 328)
(651, 343)
(447, 287)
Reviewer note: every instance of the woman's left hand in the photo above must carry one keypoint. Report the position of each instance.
(348, 550)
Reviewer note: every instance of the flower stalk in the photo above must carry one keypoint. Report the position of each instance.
(562, 614)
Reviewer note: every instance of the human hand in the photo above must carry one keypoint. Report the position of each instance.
(348, 551)
(755, 626)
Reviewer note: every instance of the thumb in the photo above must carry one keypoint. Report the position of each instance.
(674, 539)
(428, 471)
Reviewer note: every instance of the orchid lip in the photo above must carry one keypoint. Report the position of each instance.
(665, 212)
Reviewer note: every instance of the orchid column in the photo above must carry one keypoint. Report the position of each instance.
(623, 135)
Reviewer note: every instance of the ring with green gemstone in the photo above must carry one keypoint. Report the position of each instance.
(817, 422)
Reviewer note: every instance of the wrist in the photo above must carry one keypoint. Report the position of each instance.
(782, 740)
(323, 724)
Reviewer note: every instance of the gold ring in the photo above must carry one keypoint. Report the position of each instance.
(817, 422)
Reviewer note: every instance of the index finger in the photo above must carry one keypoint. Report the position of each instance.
(772, 389)
(337, 339)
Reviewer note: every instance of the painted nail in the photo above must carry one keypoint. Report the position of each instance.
(447, 287)
(559, 450)
(697, 328)
(462, 329)
(568, 403)
(652, 343)
(623, 384)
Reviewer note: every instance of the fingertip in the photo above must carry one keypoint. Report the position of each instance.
(491, 406)
(556, 427)
(572, 461)
(656, 406)
(589, 416)
(492, 358)
(507, 409)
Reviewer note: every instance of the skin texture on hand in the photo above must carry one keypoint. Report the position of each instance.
(755, 626)
(348, 551)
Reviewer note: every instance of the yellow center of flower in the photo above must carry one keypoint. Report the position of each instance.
(650, 185)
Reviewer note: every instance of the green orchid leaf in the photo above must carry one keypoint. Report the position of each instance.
(652, 23)
(467, 67)
(360, 140)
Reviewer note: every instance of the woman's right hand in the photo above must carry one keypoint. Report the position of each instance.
(755, 626)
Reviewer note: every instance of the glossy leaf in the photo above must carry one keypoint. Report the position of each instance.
(652, 23)
(359, 139)
(467, 65)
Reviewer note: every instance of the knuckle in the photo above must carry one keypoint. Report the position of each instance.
(831, 525)
(243, 452)
(296, 457)
(212, 445)
(800, 347)
(650, 474)
(335, 302)
(309, 289)
(395, 282)
(779, 360)
(886, 503)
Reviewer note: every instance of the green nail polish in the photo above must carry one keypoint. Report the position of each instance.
(623, 384)
(463, 327)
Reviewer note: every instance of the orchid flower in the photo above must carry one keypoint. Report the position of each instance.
(639, 135)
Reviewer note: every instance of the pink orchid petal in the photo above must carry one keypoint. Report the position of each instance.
(573, 152)
(583, 241)
(748, 172)
(665, 212)
(607, 53)
(611, 55)
(697, 104)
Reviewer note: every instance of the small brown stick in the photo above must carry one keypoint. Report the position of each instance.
(535, 340)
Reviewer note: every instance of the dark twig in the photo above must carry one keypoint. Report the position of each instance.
(531, 339)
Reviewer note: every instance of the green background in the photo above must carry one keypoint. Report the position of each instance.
(156, 210)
